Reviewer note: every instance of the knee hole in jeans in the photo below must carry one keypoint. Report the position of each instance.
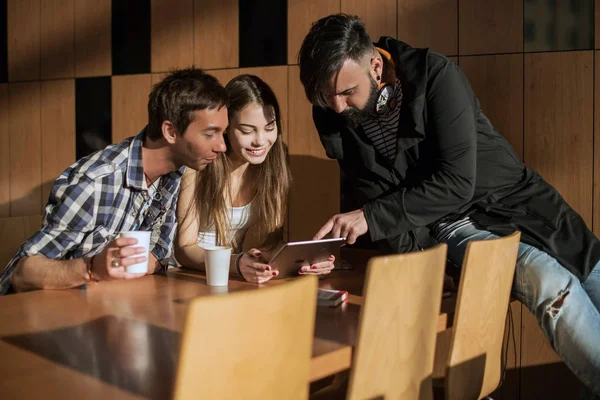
(554, 308)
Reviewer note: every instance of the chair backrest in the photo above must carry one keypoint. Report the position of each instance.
(394, 352)
(254, 344)
(474, 361)
(13, 232)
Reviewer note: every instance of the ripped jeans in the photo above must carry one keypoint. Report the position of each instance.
(567, 311)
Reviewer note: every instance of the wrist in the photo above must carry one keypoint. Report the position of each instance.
(89, 264)
(236, 263)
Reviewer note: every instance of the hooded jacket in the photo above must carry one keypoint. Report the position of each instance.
(451, 162)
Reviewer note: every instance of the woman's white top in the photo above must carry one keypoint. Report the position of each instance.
(240, 220)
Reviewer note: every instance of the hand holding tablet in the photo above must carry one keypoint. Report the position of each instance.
(292, 256)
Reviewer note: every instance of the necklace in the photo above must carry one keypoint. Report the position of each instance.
(156, 196)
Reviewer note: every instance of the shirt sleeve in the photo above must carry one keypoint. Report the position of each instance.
(69, 216)
(451, 126)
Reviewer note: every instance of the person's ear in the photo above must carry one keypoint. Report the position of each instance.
(376, 68)
(169, 132)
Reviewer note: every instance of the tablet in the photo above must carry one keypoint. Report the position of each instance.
(292, 256)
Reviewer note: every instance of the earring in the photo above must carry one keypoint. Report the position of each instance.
(378, 77)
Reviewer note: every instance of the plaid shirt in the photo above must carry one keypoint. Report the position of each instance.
(98, 197)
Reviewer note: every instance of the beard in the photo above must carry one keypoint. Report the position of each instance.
(355, 116)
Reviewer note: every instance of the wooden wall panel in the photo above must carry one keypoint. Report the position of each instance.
(4, 153)
(216, 36)
(129, 105)
(25, 149)
(57, 39)
(301, 15)
(559, 123)
(157, 78)
(23, 32)
(93, 38)
(379, 15)
(316, 191)
(13, 232)
(429, 23)
(277, 79)
(225, 75)
(58, 138)
(498, 83)
(543, 374)
(597, 142)
(492, 26)
(172, 34)
(511, 345)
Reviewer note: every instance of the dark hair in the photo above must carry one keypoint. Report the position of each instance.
(274, 179)
(178, 95)
(330, 41)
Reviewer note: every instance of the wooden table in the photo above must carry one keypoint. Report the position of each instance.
(120, 339)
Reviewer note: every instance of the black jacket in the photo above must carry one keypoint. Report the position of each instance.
(450, 162)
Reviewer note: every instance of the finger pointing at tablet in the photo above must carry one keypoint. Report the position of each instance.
(350, 225)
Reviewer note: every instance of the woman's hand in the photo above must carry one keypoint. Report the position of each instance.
(322, 268)
(254, 269)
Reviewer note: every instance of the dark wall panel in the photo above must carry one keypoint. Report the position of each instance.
(263, 33)
(92, 114)
(3, 43)
(131, 37)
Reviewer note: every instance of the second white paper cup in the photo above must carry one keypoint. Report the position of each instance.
(216, 261)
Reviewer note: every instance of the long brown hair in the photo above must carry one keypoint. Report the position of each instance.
(273, 178)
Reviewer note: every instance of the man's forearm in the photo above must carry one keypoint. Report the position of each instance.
(39, 272)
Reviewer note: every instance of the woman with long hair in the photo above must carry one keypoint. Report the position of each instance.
(240, 200)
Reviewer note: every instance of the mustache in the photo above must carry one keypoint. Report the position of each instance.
(354, 116)
(352, 112)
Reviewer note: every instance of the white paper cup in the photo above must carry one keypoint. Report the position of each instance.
(143, 238)
(216, 261)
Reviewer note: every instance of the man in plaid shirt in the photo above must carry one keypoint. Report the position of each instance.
(132, 185)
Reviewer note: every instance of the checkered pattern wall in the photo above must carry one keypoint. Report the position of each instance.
(77, 74)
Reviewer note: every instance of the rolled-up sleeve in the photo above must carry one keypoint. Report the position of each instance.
(69, 216)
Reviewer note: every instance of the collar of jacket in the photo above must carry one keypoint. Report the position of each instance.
(412, 68)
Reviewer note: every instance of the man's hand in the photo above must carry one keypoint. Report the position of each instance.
(253, 267)
(115, 253)
(349, 225)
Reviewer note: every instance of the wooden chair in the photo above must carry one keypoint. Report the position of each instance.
(394, 352)
(13, 232)
(253, 344)
(474, 362)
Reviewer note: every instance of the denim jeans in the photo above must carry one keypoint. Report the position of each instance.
(573, 328)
